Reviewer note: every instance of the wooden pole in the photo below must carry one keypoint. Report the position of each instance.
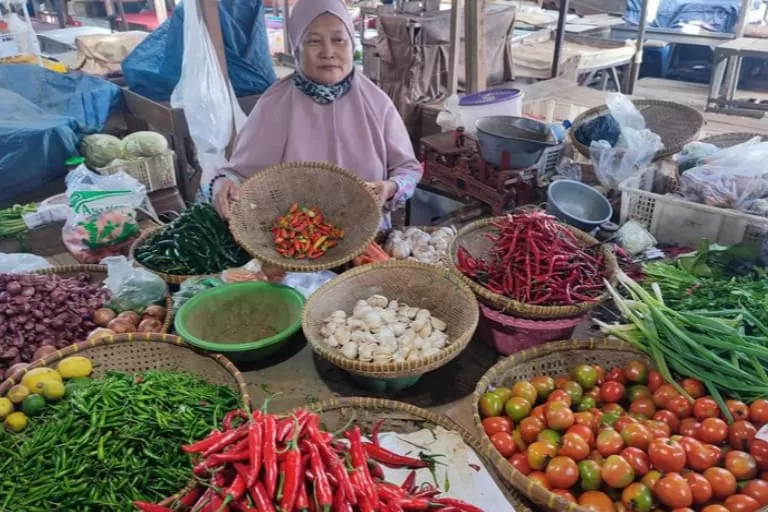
(559, 37)
(734, 64)
(457, 9)
(637, 60)
(161, 11)
(474, 36)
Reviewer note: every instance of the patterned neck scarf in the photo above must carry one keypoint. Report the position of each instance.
(323, 94)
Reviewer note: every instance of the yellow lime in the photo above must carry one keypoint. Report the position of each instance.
(18, 393)
(75, 366)
(53, 390)
(6, 407)
(33, 405)
(34, 378)
(16, 421)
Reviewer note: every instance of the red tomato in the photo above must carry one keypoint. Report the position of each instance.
(739, 409)
(637, 435)
(680, 406)
(690, 427)
(596, 501)
(758, 412)
(520, 462)
(713, 431)
(540, 412)
(613, 408)
(561, 380)
(609, 442)
(650, 478)
(530, 428)
(655, 380)
(622, 422)
(644, 406)
(564, 494)
(560, 395)
(538, 477)
(741, 503)
(759, 450)
(663, 394)
(669, 418)
(521, 445)
(539, 455)
(593, 393)
(584, 432)
(693, 387)
(559, 418)
(524, 389)
(544, 386)
(616, 472)
(657, 428)
(611, 392)
(573, 446)
(504, 442)
(636, 372)
(701, 456)
(616, 375)
(638, 459)
(722, 481)
(714, 508)
(700, 488)
(758, 489)
(673, 491)
(741, 433)
(562, 472)
(667, 456)
(638, 391)
(741, 464)
(498, 424)
(705, 407)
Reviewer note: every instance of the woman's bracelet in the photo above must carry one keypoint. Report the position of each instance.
(212, 183)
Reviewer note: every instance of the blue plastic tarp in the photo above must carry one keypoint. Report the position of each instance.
(153, 68)
(43, 116)
(718, 15)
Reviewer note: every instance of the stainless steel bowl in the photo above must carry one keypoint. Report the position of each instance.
(524, 139)
(578, 204)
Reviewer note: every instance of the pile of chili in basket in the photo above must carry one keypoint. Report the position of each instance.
(266, 463)
(535, 260)
(303, 233)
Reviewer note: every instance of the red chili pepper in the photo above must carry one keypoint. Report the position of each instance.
(340, 503)
(225, 440)
(363, 500)
(377, 472)
(392, 459)
(191, 497)
(322, 486)
(302, 498)
(409, 484)
(217, 459)
(150, 507)
(375, 432)
(387, 491)
(269, 454)
(235, 491)
(204, 444)
(293, 472)
(460, 504)
(285, 429)
(204, 500)
(259, 496)
(336, 468)
(359, 462)
(254, 452)
(226, 423)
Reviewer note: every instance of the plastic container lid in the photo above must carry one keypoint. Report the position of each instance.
(74, 161)
(489, 97)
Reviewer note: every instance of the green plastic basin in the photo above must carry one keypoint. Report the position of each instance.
(246, 321)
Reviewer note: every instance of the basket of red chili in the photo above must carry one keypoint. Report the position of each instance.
(305, 216)
(531, 266)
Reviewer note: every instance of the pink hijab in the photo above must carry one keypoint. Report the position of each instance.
(360, 131)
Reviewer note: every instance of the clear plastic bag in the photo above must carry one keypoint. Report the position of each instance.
(102, 218)
(132, 288)
(634, 238)
(20, 263)
(694, 153)
(308, 283)
(634, 150)
(192, 287)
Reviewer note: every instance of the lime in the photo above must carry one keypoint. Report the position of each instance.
(6, 407)
(33, 405)
(16, 421)
(53, 390)
(18, 393)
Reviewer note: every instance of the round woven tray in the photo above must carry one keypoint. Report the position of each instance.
(98, 274)
(342, 198)
(676, 124)
(142, 240)
(556, 358)
(417, 284)
(405, 418)
(727, 140)
(473, 238)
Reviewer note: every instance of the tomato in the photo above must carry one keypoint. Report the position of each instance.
(700, 488)
(758, 412)
(596, 501)
(539, 455)
(693, 387)
(562, 472)
(490, 405)
(589, 475)
(559, 396)
(650, 478)
(705, 407)
(525, 389)
(758, 489)
(622, 422)
(593, 393)
(638, 459)
(759, 450)
(586, 418)
(609, 442)
(612, 392)
(544, 386)
(517, 408)
(722, 481)
(497, 424)
(549, 436)
(644, 406)
(575, 390)
(657, 428)
(616, 375)
(616, 472)
(636, 371)
(663, 394)
(586, 375)
(504, 442)
(714, 508)
(584, 432)
(538, 477)
(655, 380)
(574, 446)
(667, 456)
(540, 412)
(680, 406)
(741, 503)
(713, 431)
(638, 391)
(690, 427)
(741, 433)
(637, 498)
(519, 461)
(741, 464)
(673, 491)
(586, 403)
(530, 428)
(560, 418)
(739, 409)
(636, 435)
(503, 393)
(566, 495)
(669, 418)
(700, 456)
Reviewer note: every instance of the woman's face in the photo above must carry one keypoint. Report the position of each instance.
(326, 50)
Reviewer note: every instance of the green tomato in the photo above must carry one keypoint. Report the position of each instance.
(638, 391)
(637, 497)
(610, 418)
(517, 408)
(586, 404)
(586, 375)
(549, 436)
(490, 405)
(575, 390)
(589, 473)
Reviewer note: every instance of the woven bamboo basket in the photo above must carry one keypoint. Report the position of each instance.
(405, 418)
(556, 358)
(676, 124)
(417, 284)
(342, 198)
(473, 238)
(727, 140)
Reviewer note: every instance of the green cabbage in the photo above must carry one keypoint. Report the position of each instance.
(143, 144)
(100, 149)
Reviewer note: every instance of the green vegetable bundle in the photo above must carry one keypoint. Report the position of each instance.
(110, 441)
(12, 221)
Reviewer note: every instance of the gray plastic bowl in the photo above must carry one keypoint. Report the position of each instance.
(524, 139)
(578, 205)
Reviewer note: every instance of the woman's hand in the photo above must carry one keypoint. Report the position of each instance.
(226, 192)
(383, 191)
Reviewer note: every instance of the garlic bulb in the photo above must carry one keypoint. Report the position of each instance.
(418, 245)
(350, 350)
(378, 301)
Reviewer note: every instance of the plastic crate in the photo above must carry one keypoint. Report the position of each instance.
(673, 220)
(154, 172)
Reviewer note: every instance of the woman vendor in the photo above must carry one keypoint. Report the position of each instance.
(325, 111)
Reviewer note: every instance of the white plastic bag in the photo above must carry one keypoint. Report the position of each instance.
(133, 288)
(209, 102)
(102, 218)
(634, 238)
(307, 283)
(20, 263)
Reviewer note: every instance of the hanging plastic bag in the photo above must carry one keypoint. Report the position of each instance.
(20, 263)
(133, 288)
(102, 218)
(209, 102)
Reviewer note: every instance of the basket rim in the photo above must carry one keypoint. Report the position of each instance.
(733, 136)
(484, 452)
(291, 265)
(522, 483)
(125, 339)
(601, 109)
(90, 268)
(508, 305)
(393, 370)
